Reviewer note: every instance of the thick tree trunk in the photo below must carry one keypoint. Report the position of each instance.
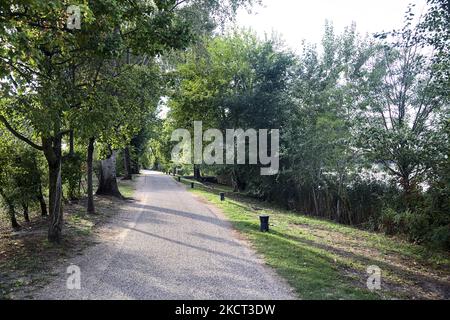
(108, 178)
(127, 164)
(41, 200)
(52, 152)
(26, 216)
(12, 215)
(90, 187)
(55, 204)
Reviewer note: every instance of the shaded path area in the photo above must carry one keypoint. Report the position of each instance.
(169, 245)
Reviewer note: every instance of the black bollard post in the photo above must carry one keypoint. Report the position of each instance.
(222, 196)
(264, 223)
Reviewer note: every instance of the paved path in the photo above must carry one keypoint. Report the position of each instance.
(170, 245)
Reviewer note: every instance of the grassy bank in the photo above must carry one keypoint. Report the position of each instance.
(325, 260)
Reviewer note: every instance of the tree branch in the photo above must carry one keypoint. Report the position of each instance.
(18, 135)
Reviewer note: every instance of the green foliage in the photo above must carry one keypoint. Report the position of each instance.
(72, 173)
(434, 31)
(419, 226)
(362, 123)
(401, 128)
(416, 225)
(20, 173)
(316, 256)
(101, 81)
(160, 147)
(232, 81)
(440, 237)
(388, 221)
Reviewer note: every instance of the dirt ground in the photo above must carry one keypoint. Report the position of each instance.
(27, 258)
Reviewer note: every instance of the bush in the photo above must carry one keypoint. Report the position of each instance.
(440, 237)
(72, 172)
(416, 226)
(419, 226)
(389, 221)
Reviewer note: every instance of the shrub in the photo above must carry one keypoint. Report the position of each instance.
(389, 221)
(440, 237)
(72, 172)
(416, 225)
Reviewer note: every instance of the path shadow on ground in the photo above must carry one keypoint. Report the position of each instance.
(191, 215)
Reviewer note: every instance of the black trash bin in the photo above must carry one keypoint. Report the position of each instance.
(179, 179)
(222, 196)
(264, 223)
(192, 185)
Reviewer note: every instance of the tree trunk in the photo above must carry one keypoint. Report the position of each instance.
(40, 195)
(55, 203)
(234, 183)
(25, 212)
(71, 143)
(108, 178)
(90, 187)
(135, 166)
(41, 200)
(52, 152)
(316, 205)
(197, 173)
(127, 164)
(12, 214)
(237, 183)
(338, 210)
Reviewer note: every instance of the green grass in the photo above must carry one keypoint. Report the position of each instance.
(320, 259)
(127, 187)
(81, 223)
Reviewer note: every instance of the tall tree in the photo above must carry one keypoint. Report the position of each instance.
(231, 81)
(403, 116)
(46, 67)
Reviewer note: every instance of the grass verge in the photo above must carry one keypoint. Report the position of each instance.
(127, 188)
(324, 260)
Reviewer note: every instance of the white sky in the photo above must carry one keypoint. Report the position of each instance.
(296, 20)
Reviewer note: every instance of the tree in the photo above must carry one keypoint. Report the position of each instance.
(47, 68)
(232, 81)
(402, 118)
(318, 156)
(434, 30)
(20, 183)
